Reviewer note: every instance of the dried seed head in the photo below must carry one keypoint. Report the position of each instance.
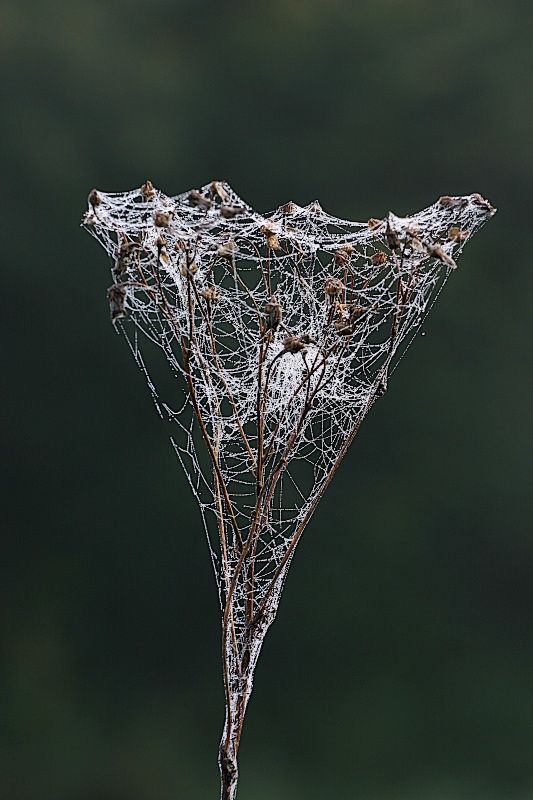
(273, 312)
(356, 312)
(189, 270)
(271, 238)
(161, 249)
(333, 287)
(226, 250)
(378, 258)
(94, 198)
(436, 251)
(161, 219)
(457, 235)
(343, 255)
(374, 223)
(393, 240)
(348, 316)
(210, 294)
(125, 254)
(288, 208)
(228, 212)
(294, 344)
(148, 190)
(412, 232)
(116, 295)
(217, 188)
(197, 200)
(456, 202)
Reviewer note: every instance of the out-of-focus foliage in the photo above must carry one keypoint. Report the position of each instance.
(401, 663)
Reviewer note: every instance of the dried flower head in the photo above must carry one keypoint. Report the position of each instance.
(116, 295)
(456, 202)
(273, 312)
(457, 235)
(189, 270)
(287, 208)
(161, 219)
(217, 189)
(229, 212)
(161, 245)
(436, 251)
(198, 200)
(271, 238)
(210, 294)
(124, 258)
(227, 250)
(294, 344)
(393, 240)
(343, 254)
(148, 191)
(378, 258)
(333, 287)
(94, 199)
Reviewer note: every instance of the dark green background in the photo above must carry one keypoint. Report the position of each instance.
(401, 664)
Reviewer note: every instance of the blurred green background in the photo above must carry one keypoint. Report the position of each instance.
(401, 664)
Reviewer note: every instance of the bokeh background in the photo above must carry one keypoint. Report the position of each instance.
(401, 663)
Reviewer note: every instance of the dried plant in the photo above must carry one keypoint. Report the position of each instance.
(284, 330)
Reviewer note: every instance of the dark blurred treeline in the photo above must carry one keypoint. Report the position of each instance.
(401, 665)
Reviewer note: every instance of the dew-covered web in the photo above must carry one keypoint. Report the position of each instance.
(282, 329)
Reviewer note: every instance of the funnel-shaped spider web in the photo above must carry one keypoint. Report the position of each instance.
(284, 329)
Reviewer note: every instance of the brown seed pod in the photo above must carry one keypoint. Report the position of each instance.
(333, 287)
(94, 199)
(228, 212)
(393, 240)
(348, 316)
(161, 219)
(217, 188)
(294, 344)
(287, 208)
(273, 312)
(356, 312)
(374, 223)
(343, 255)
(455, 202)
(116, 295)
(189, 270)
(227, 250)
(378, 258)
(271, 238)
(162, 254)
(436, 251)
(125, 254)
(197, 200)
(210, 294)
(148, 190)
(457, 235)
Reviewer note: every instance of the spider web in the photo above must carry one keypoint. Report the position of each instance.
(282, 329)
